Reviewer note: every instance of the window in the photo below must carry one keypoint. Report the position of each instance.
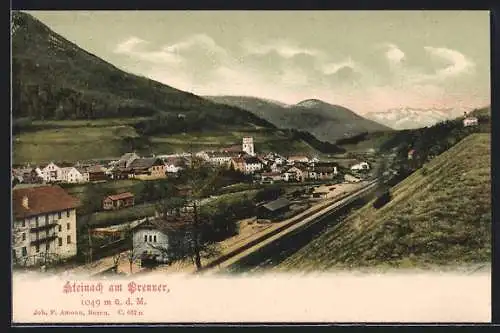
(67, 226)
(68, 240)
(154, 238)
(145, 238)
(37, 248)
(60, 241)
(150, 238)
(14, 254)
(67, 213)
(24, 236)
(47, 247)
(36, 221)
(59, 215)
(24, 252)
(60, 228)
(47, 218)
(24, 223)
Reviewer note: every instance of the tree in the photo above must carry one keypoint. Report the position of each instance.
(200, 182)
(269, 193)
(92, 201)
(131, 256)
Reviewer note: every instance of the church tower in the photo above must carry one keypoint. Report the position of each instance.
(248, 146)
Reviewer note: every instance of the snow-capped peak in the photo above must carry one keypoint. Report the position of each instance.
(408, 117)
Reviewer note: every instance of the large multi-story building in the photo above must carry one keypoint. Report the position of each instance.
(44, 225)
(247, 146)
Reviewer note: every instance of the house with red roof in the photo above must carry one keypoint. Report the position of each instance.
(118, 201)
(44, 226)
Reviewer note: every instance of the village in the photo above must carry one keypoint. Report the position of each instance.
(46, 214)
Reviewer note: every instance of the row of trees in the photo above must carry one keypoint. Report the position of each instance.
(426, 142)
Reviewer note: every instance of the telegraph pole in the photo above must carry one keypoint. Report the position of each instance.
(90, 244)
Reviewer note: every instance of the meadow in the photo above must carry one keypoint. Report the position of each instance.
(439, 216)
(73, 140)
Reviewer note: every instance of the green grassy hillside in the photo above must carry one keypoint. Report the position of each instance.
(109, 138)
(439, 215)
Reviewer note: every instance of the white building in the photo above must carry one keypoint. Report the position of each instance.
(149, 239)
(252, 164)
(44, 226)
(73, 175)
(175, 164)
(288, 176)
(275, 167)
(471, 121)
(247, 146)
(270, 177)
(220, 159)
(298, 158)
(203, 155)
(50, 173)
(280, 160)
(360, 166)
(172, 168)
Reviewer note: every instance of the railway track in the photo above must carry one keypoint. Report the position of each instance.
(301, 221)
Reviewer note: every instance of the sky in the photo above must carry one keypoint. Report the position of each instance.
(364, 60)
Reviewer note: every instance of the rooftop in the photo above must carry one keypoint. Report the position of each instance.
(251, 160)
(128, 156)
(124, 195)
(144, 163)
(220, 154)
(41, 200)
(277, 204)
(174, 223)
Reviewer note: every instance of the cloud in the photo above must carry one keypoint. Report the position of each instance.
(285, 49)
(394, 54)
(423, 65)
(458, 63)
(332, 68)
(132, 48)
(129, 45)
(287, 71)
(201, 41)
(455, 64)
(195, 46)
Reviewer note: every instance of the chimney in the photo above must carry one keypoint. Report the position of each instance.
(25, 202)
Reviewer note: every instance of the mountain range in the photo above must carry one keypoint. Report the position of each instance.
(65, 99)
(411, 118)
(54, 79)
(325, 121)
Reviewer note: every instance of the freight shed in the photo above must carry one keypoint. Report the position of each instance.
(273, 209)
